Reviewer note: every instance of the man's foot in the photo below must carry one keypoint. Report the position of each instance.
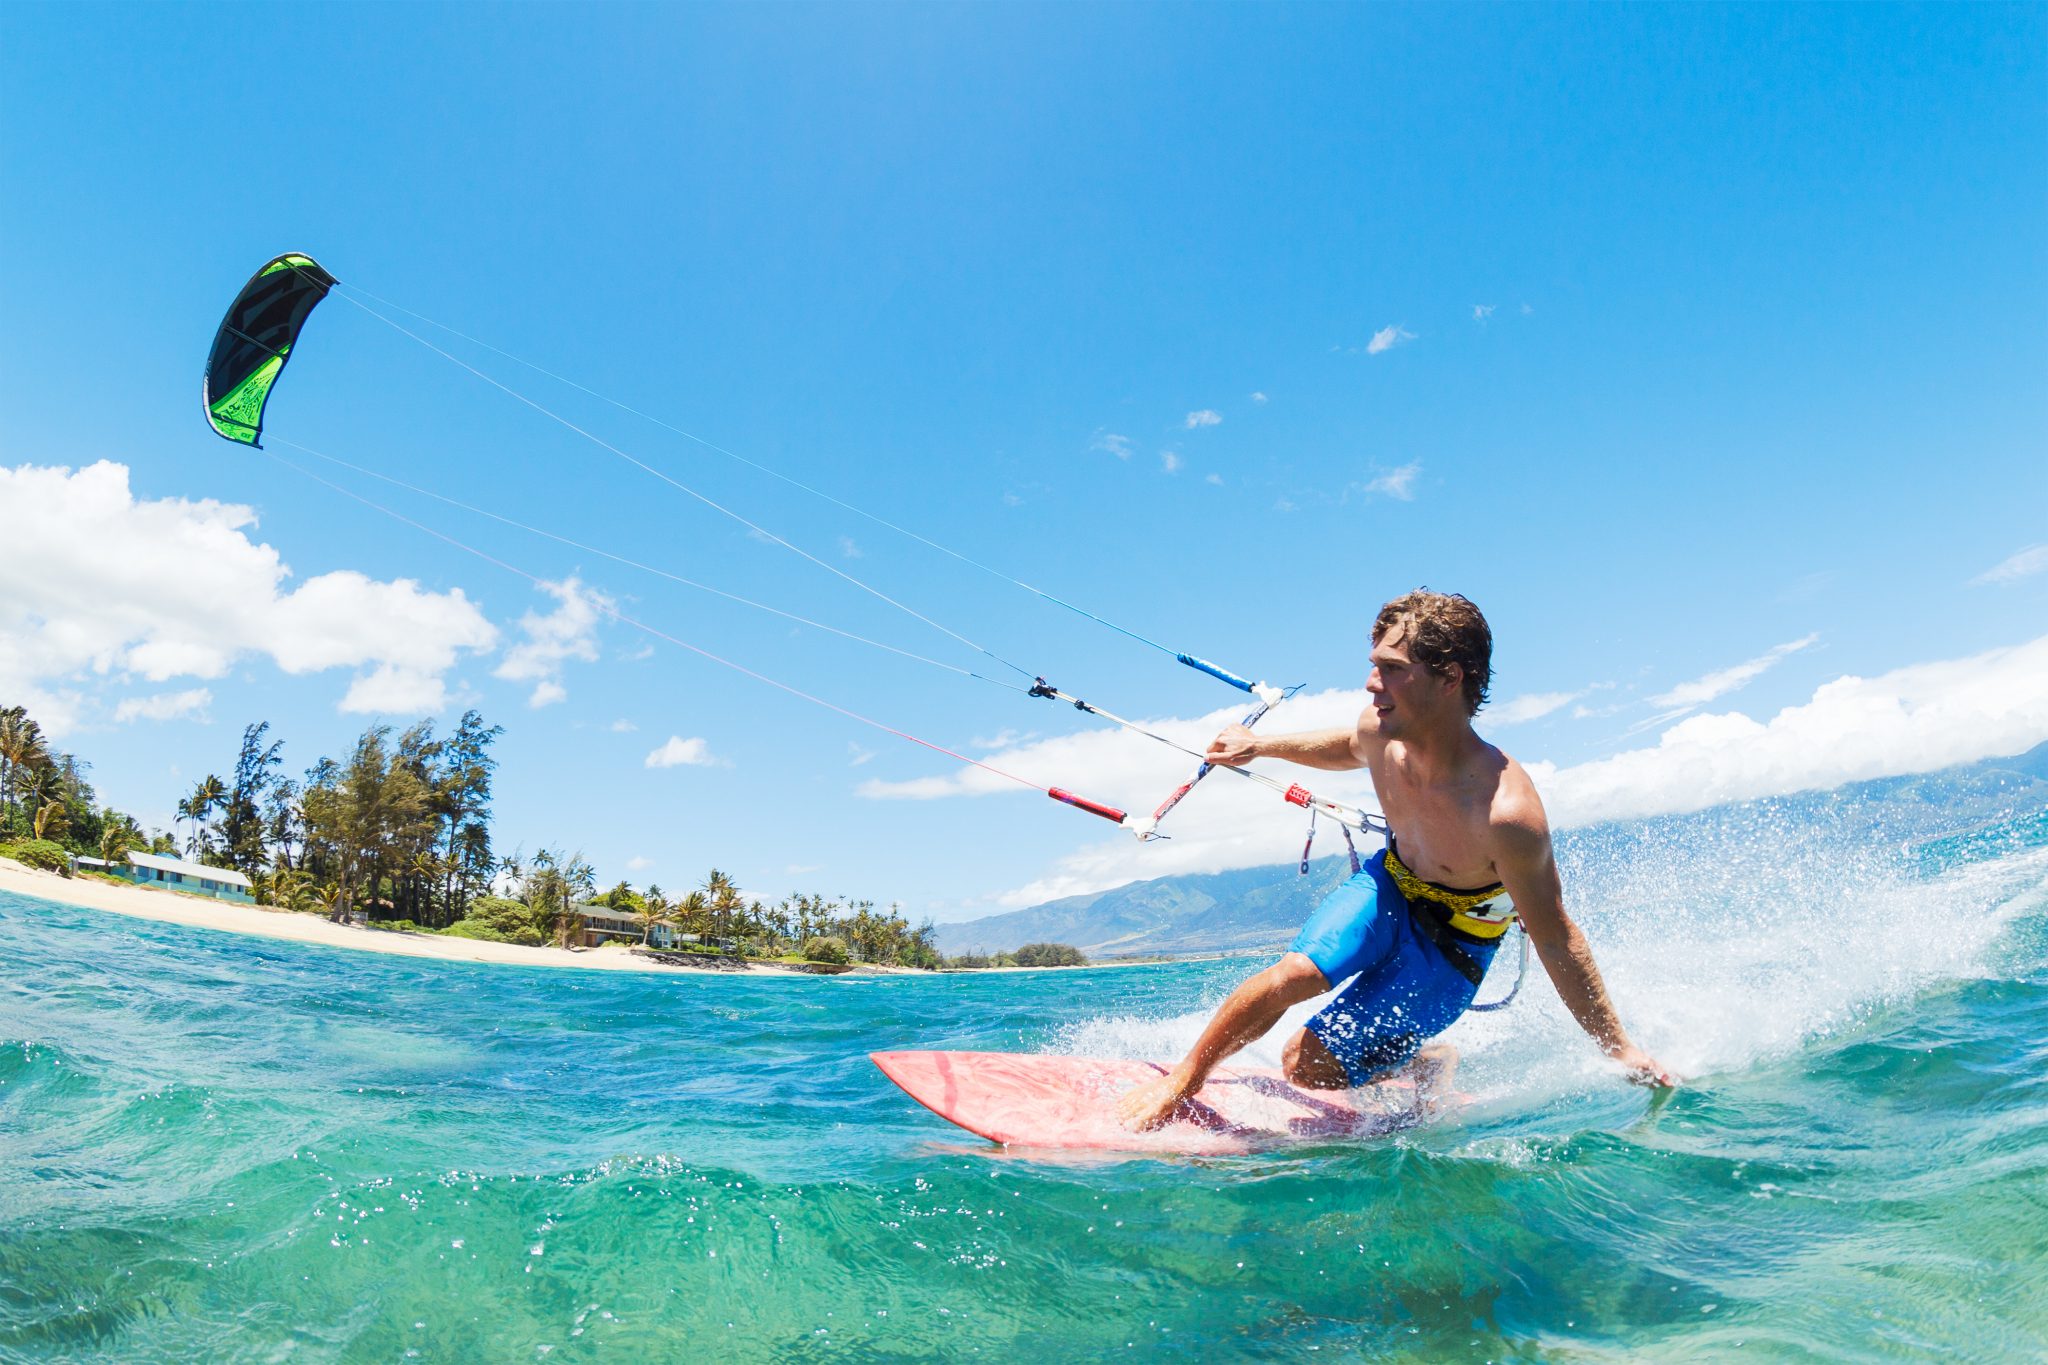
(1433, 1070)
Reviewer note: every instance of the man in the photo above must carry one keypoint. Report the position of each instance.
(1468, 851)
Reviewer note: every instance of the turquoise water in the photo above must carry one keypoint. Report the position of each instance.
(223, 1148)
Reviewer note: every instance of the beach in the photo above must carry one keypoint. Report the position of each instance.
(199, 912)
(203, 912)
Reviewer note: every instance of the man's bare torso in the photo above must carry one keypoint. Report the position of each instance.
(1444, 819)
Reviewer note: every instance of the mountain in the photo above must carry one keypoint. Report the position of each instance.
(1252, 907)
(1261, 907)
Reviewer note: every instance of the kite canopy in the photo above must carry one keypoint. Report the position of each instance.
(255, 340)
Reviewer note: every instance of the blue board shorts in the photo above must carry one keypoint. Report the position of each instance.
(1405, 992)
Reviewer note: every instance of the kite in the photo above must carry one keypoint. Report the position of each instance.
(255, 340)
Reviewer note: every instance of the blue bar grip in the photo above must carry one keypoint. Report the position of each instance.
(1213, 671)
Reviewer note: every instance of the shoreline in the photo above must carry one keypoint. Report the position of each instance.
(196, 912)
(291, 926)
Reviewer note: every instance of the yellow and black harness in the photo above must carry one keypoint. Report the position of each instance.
(1452, 918)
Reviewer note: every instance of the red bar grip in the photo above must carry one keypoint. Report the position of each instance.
(1300, 795)
(1110, 813)
(1170, 802)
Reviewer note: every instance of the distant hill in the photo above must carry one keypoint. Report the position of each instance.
(1251, 907)
(1261, 907)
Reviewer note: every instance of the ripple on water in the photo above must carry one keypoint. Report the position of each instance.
(209, 1152)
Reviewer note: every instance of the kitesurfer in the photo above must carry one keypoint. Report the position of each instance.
(1468, 851)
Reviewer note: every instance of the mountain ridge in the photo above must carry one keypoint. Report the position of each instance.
(1261, 907)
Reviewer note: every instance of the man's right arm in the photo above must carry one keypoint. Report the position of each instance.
(1331, 750)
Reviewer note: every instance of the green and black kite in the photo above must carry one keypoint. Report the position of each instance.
(255, 340)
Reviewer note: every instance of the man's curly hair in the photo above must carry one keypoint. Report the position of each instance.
(1441, 629)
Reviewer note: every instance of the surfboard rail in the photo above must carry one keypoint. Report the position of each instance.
(1023, 1099)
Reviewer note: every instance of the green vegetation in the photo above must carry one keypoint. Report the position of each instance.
(1030, 955)
(825, 948)
(1050, 955)
(399, 832)
(43, 854)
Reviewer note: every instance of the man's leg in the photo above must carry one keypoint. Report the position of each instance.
(1309, 1064)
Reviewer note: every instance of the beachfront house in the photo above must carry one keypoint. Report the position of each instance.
(602, 923)
(151, 869)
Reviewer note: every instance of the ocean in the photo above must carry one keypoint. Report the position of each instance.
(222, 1148)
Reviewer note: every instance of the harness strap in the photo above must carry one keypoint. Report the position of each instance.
(1435, 922)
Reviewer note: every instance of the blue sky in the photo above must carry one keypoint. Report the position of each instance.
(1693, 344)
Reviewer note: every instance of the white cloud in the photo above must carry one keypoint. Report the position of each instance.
(1387, 338)
(389, 690)
(636, 863)
(1725, 680)
(189, 593)
(164, 706)
(1394, 483)
(1527, 707)
(1169, 461)
(1481, 312)
(1259, 397)
(801, 869)
(1912, 719)
(1226, 822)
(856, 756)
(569, 632)
(2023, 564)
(848, 549)
(1526, 310)
(1216, 479)
(1207, 417)
(1003, 739)
(680, 752)
(623, 726)
(1119, 446)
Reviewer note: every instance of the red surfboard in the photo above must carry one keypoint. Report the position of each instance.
(1026, 1099)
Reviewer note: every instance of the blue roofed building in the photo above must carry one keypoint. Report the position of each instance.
(152, 869)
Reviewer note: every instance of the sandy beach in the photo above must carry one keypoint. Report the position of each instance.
(171, 907)
(201, 912)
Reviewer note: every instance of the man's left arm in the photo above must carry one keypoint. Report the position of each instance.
(1528, 869)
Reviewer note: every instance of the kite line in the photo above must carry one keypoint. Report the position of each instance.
(256, 339)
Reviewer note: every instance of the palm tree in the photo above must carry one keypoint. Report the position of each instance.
(690, 913)
(48, 794)
(724, 898)
(22, 745)
(209, 796)
(118, 834)
(289, 888)
(579, 884)
(654, 910)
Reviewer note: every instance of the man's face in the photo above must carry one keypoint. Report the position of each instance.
(1407, 698)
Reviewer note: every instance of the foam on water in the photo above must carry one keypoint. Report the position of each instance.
(1745, 942)
(216, 1148)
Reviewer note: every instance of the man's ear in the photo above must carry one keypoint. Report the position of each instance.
(1454, 675)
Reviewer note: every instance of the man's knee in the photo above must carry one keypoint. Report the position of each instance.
(1306, 1062)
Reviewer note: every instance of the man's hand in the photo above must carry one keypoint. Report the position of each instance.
(1643, 1069)
(1153, 1104)
(1234, 748)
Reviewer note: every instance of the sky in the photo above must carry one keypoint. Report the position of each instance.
(1705, 348)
